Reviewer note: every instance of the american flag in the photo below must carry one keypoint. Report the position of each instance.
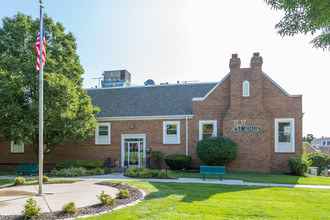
(37, 47)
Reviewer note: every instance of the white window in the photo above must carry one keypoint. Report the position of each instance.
(246, 88)
(207, 129)
(328, 142)
(102, 134)
(171, 132)
(16, 147)
(284, 135)
(323, 143)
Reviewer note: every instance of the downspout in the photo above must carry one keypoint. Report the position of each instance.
(186, 135)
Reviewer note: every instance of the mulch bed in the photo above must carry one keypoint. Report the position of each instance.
(134, 194)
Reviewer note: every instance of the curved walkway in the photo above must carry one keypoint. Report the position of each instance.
(83, 193)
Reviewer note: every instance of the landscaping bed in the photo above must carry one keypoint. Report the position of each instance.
(134, 194)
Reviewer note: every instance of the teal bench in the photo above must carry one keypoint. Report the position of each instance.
(28, 168)
(213, 170)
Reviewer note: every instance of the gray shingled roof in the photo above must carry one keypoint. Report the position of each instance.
(157, 100)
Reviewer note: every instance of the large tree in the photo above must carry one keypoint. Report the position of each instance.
(304, 16)
(68, 112)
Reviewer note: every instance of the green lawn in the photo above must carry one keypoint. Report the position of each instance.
(9, 172)
(207, 201)
(261, 177)
(8, 182)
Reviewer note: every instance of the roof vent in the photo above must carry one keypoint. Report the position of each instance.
(149, 82)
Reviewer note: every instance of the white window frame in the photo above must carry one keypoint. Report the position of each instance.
(246, 86)
(13, 148)
(171, 138)
(289, 145)
(202, 122)
(106, 139)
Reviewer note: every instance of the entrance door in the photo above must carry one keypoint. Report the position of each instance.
(133, 154)
(133, 151)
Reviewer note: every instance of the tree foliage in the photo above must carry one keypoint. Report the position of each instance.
(68, 112)
(304, 16)
(309, 138)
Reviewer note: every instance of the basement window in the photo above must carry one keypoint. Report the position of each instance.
(102, 134)
(171, 132)
(16, 147)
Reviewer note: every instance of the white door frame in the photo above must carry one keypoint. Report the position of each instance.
(133, 136)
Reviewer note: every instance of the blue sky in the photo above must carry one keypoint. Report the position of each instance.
(170, 40)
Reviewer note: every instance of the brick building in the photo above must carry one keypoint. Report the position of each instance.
(246, 106)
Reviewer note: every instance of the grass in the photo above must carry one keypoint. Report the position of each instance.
(206, 201)
(7, 172)
(261, 177)
(8, 182)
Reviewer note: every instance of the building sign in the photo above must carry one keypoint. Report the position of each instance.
(242, 127)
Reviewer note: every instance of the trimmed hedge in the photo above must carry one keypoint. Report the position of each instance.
(298, 165)
(177, 162)
(88, 164)
(216, 151)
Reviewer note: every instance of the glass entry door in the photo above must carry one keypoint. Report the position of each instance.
(133, 154)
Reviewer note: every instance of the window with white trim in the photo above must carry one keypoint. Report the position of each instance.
(16, 147)
(102, 134)
(246, 88)
(284, 135)
(171, 132)
(323, 143)
(207, 129)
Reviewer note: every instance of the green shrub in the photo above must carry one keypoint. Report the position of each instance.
(45, 179)
(123, 194)
(73, 171)
(112, 170)
(19, 181)
(216, 151)
(30, 209)
(97, 171)
(118, 182)
(298, 165)
(156, 157)
(105, 199)
(164, 174)
(177, 162)
(145, 173)
(88, 164)
(69, 208)
(320, 160)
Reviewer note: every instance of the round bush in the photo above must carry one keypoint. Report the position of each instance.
(319, 160)
(177, 162)
(45, 179)
(298, 165)
(216, 151)
(19, 181)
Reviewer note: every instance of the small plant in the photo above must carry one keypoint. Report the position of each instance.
(156, 157)
(164, 174)
(298, 165)
(69, 208)
(30, 209)
(118, 182)
(19, 181)
(177, 162)
(105, 199)
(123, 194)
(97, 171)
(45, 179)
(112, 170)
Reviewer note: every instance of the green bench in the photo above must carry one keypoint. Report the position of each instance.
(28, 168)
(213, 170)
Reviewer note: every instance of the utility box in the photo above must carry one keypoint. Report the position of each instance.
(314, 171)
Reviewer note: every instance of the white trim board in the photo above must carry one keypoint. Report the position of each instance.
(161, 117)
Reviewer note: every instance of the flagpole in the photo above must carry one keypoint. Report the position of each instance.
(41, 102)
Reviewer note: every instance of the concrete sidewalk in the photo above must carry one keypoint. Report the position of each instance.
(83, 193)
(120, 176)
